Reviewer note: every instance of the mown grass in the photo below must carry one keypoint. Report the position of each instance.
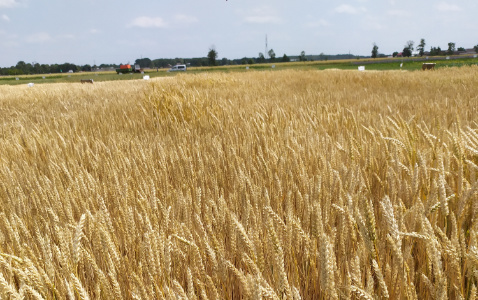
(260, 185)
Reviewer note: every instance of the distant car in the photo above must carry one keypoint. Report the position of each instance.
(178, 68)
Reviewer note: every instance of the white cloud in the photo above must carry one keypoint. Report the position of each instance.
(94, 31)
(349, 9)
(399, 13)
(262, 15)
(374, 25)
(443, 6)
(5, 18)
(40, 37)
(7, 3)
(185, 19)
(262, 19)
(318, 23)
(148, 22)
(67, 36)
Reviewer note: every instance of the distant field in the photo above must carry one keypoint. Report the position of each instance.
(291, 184)
(383, 64)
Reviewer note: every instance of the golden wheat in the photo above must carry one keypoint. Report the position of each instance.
(260, 185)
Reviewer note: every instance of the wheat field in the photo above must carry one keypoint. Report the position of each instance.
(261, 185)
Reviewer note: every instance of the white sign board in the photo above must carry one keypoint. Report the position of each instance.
(247, 68)
(273, 66)
(146, 77)
(361, 68)
(31, 84)
(447, 57)
(475, 56)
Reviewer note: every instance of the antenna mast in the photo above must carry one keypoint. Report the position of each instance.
(265, 54)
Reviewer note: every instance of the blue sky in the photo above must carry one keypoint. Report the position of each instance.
(119, 31)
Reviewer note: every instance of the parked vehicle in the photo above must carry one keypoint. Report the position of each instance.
(178, 68)
(129, 69)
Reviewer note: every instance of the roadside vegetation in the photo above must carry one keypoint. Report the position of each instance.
(292, 184)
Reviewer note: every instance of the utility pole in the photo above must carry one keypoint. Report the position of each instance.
(265, 54)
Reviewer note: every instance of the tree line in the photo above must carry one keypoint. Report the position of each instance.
(23, 68)
(408, 49)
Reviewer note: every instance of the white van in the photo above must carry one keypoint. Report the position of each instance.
(178, 68)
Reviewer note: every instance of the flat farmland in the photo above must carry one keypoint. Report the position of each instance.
(289, 184)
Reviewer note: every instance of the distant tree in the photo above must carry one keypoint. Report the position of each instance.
(435, 51)
(476, 48)
(261, 58)
(407, 51)
(285, 58)
(461, 49)
(211, 56)
(451, 48)
(395, 54)
(37, 68)
(272, 54)
(144, 62)
(86, 68)
(23, 67)
(302, 56)
(374, 51)
(45, 68)
(421, 47)
(250, 61)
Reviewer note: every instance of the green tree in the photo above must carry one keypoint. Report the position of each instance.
(395, 54)
(37, 68)
(272, 55)
(461, 49)
(421, 47)
(302, 56)
(86, 68)
(23, 67)
(144, 62)
(285, 58)
(476, 48)
(261, 58)
(451, 48)
(211, 56)
(374, 51)
(407, 51)
(435, 51)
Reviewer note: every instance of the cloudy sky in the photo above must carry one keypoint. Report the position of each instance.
(120, 31)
